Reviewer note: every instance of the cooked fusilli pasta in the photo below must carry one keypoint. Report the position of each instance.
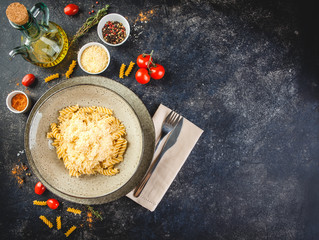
(70, 231)
(39, 203)
(121, 75)
(109, 171)
(75, 211)
(46, 221)
(71, 68)
(51, 77)
(58, 222)
(129, 68)
(75, 138)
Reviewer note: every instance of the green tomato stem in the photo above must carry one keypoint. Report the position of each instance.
(149, 61)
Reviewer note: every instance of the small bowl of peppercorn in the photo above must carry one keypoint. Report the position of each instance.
(18, 102)
(113, 29)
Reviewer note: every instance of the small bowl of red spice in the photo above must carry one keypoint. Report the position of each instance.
(113, 29)
(18, 102)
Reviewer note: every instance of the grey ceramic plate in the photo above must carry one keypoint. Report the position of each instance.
(88, 91)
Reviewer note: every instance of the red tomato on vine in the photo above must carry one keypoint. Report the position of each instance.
(148, 69)
(143, 59)
(157, 71)
(142, 76)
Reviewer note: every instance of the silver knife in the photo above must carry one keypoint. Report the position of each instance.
(171, 140)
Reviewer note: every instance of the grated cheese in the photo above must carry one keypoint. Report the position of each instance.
(87, 140)
(94, 59)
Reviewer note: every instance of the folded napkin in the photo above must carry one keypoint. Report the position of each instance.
(171, 162)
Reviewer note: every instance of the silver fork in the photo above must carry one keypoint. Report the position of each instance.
(169, 124)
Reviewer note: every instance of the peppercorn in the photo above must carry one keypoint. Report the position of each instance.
(114, 32)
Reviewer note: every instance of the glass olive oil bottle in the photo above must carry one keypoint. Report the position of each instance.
(43, 43)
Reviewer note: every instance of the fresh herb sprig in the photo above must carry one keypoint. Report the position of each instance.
(96, 213)
(89, 23)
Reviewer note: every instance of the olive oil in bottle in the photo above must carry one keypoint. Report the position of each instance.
(44, 43)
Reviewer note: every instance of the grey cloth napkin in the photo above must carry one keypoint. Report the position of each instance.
(171, 162)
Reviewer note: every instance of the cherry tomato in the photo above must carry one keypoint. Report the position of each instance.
(39, 188)
(52, 203)
(142, 60)
(157, 72)
(142, 76)
(71, 9)
(28, 79)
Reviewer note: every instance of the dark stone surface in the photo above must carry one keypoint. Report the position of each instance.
(244, 71)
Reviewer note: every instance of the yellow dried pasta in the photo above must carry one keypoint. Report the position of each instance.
(58, 222)
(129, 68)
(46, 221)
(51, 77)
(75, 211)
(121, 75)
(39, 203)
(70, 231)
(71, 68)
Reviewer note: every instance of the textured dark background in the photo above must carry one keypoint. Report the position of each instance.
(246, 72)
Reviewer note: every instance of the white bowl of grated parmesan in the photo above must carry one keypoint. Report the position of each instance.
(93, 58)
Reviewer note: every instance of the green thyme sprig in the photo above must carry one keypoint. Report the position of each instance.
(96, 213)
(89, 23)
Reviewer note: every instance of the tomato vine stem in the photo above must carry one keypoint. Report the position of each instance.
(150, 60)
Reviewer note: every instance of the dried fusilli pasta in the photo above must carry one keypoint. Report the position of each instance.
(39, 203)
(70, 231)
(71, 68)
(129, 69)
(51, 77)
(75, 138)
(46, 221)
(121, 75)
(75, 211)
(58, 222)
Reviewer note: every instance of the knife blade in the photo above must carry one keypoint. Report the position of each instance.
(170, 141)
(172, 138)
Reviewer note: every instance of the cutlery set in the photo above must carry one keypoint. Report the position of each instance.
(171, 128)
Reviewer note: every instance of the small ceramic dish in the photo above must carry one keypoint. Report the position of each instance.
(9, 102)
(91, 63)
(113, 17)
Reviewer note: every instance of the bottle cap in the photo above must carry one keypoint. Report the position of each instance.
(17, 13)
